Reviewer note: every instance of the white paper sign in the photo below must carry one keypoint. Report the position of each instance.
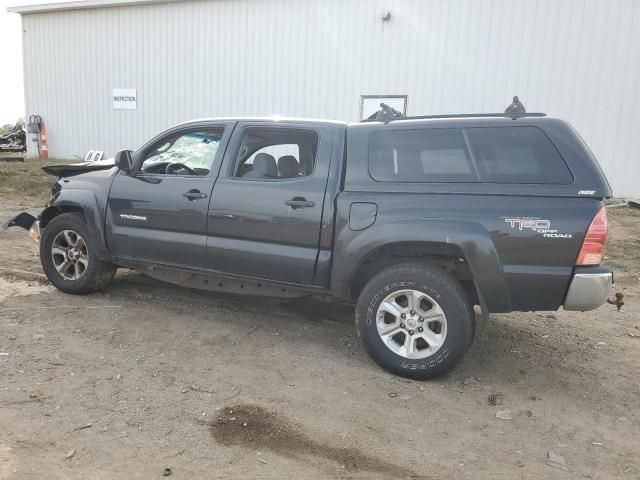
(124, 99)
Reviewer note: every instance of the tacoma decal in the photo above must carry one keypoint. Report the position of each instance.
(141, 218)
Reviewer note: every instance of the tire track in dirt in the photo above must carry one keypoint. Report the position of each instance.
(254, 427)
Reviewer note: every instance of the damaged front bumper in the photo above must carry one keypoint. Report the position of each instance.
(27, 221)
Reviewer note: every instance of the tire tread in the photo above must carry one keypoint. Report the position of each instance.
(430, 275)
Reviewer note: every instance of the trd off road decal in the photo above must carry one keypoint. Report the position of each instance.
(539, 225)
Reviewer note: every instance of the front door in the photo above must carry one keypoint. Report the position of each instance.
(158, 213)
(266, 209)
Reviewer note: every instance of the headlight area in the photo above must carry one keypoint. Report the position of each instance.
(34, 231)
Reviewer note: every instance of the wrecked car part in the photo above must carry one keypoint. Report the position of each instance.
(62, 170)
(15, 140)
(22, 220)
(34, 231)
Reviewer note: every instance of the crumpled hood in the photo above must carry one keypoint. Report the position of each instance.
(73, 168)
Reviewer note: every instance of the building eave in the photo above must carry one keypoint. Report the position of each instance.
(80, 5)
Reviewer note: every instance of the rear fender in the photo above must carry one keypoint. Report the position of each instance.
(471, 238)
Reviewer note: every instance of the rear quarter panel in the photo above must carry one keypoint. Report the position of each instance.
(537, 239)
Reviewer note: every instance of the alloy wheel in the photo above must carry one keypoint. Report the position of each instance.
(411, 324)
(70, 255)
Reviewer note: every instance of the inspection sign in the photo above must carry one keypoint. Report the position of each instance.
(125, 99)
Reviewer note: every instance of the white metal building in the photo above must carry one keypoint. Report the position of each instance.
(576, 59)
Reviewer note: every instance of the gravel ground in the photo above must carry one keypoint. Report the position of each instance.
(146, 376)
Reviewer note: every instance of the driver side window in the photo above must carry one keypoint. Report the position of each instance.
(185, 153)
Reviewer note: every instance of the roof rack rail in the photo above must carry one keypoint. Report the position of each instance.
(459, 115)
(514, 111)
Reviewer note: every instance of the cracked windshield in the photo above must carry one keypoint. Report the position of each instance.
(195, 150)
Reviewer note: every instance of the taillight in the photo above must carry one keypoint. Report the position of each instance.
(592, 251)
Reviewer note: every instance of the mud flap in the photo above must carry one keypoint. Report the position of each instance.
(22, 220)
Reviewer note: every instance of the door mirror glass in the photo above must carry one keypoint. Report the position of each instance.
(124, 160)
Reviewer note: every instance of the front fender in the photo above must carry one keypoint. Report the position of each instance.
(94, 214)
(471, 238)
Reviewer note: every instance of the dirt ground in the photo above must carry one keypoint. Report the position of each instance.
(147, 376)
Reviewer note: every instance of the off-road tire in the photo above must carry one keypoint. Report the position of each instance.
(98, 273)
(445, 290)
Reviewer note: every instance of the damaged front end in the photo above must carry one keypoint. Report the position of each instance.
(27, 221)
(32, 224)
(66, 174)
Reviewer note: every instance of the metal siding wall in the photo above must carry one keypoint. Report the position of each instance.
(576, 59)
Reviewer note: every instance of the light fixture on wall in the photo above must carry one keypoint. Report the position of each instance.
(385, 15)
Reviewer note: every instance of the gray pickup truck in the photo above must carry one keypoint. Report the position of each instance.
(416, 220)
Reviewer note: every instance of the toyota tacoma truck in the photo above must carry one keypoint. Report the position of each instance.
(427, 224)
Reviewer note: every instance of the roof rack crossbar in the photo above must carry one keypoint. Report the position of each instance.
(461, 115)
(514, 111)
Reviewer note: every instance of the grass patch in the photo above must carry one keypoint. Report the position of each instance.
(26, 182)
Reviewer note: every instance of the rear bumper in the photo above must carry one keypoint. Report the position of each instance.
(589, 289)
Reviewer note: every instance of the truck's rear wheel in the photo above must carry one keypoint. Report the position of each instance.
(68, 257)
(415, 320)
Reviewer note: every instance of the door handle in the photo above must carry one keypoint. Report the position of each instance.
(299, 202)
(194, 194)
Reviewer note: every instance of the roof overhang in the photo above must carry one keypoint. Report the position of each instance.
(81, 5)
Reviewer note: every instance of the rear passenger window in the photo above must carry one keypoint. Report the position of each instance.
(276, 153)
(514, 155)
(433, 155)
(517, 155)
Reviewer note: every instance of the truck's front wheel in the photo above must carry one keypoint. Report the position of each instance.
(68, 258)
(415, 320)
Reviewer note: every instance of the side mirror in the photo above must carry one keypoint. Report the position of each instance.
(124, 160)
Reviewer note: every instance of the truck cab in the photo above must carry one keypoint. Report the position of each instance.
(239, 197)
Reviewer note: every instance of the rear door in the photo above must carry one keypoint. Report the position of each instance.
(158, 213)
(266, 209)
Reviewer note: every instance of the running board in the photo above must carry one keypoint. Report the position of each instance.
(218, 283)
